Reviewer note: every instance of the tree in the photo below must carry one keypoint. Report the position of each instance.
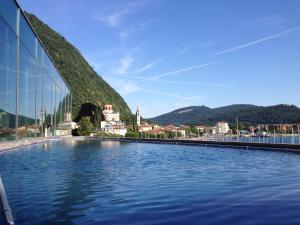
(163, 136)
(91, 110)
(171, 134)
(194, 130)
(85, 126)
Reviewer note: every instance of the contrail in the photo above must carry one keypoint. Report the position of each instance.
(179, 71)
(255, 42)
(139, 79)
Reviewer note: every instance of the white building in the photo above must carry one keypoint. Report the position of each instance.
(181, 132)
(109, 114)
(222, 127)
(112, 123)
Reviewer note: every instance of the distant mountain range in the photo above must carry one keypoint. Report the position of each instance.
(251, 114)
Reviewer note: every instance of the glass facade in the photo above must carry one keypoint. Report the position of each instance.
(34, 99)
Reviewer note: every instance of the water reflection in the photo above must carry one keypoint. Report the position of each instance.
(110, 144)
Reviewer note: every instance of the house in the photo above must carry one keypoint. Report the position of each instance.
(181, 133)
(211, 130)
(145, 127)
(222, 127)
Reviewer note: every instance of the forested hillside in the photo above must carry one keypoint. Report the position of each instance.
(87, 86)
(250, 114)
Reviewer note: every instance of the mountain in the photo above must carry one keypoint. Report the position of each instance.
(86, 85)
(250, 114)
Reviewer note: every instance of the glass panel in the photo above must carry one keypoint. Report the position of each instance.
(26, 35)
(68, 105)
(8, 49)
(57, 78)
(49, 95)
(39, 92)
(69, 116)
(57, 108)
(8, 11)
(26, 99)
(65, 100)
(61, 119)
(71, 104)
(53, 86)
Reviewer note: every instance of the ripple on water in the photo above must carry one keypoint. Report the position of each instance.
(94, 182)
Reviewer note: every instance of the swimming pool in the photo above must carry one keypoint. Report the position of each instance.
(110, 182)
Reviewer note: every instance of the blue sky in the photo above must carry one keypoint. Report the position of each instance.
(162, 55)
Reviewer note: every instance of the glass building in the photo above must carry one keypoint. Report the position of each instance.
(35, 101)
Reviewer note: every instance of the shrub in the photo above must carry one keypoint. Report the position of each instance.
(163, 136)
(85, 126)
(132, 134)
(104, 134)
(152, 136)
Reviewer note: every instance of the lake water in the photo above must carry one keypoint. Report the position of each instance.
(105, 182)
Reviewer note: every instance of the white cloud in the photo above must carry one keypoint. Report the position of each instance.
(149, 66)
(114, 17)
(134, 28)
(124, 87)
(125, 62)
(274, 36)
(128, 87)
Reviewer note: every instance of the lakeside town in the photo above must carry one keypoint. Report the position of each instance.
(111, 125)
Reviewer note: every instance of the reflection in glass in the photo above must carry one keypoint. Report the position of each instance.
(39, 93)
(34, 100)
(27, 36)
(8, 43)
(8, 11)
(48, 98)
(26, 98)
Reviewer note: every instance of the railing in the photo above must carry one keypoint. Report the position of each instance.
(289, 139)
(6, 211)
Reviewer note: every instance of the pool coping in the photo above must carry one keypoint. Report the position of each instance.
(12, 145)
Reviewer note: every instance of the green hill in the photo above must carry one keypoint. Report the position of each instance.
(249, 114)
(87, 86)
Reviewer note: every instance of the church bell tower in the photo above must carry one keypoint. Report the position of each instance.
(138, 117)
